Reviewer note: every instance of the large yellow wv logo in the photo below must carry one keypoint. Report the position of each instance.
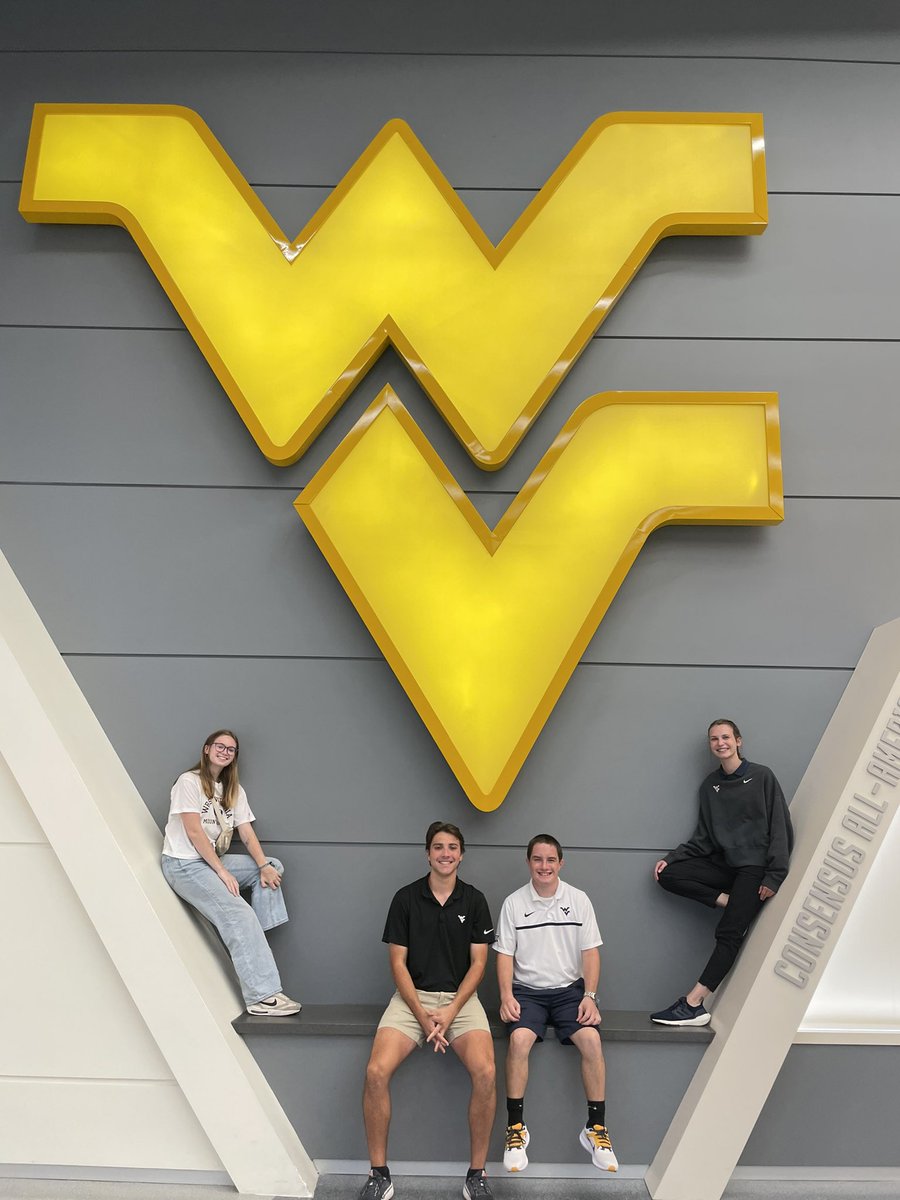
(393, 256)
(482, 627)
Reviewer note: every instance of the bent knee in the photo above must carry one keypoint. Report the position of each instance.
(378, 1074)
(591, 1046)
(667, 880)
(521, 1041)
(483, 1073)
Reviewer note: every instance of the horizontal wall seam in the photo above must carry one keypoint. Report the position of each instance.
(563, 55)
(378, 659)
(298, 487)
(86, 1080)
(611, 337)
(525, 189)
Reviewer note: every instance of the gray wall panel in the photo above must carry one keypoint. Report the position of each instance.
(489, 121)
(803, 29)
(333, 751)
(803, 1098)
(128, 406)
(820, 271)
(807, 592)
(183, 571)
(430, 1094)
(134, 569)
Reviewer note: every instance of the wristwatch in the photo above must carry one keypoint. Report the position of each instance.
(593, 996)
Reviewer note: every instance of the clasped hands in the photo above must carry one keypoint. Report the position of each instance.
(438, 1021)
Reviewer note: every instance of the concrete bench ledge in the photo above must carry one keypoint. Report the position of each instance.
(361, 1020)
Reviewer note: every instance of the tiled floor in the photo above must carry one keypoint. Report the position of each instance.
(346, 1187)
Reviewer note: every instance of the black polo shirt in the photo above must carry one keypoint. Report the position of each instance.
(438, 938)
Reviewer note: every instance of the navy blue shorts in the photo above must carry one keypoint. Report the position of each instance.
(550, 1006)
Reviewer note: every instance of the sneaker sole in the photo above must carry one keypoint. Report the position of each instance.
(273, 1012)
(704, 1020)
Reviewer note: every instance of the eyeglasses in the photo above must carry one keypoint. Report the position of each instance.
(223, 749)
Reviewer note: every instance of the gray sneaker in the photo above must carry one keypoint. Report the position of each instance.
(477, 1188)
(377, 1187)
(278, 1005)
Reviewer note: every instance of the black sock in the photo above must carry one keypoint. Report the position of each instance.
(383, 1171)
(596, 1113)
(472, 1171)
(515, 1111)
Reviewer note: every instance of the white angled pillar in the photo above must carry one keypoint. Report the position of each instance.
(60, 773)
(842, 809)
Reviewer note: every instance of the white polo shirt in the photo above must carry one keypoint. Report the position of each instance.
(546, 935)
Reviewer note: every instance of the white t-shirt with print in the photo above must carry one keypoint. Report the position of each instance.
(188, 796)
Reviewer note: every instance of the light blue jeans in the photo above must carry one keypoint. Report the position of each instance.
(240, 924)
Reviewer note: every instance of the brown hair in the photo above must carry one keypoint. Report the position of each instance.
(723, 721)
(228, 776)
(548, 840)
(437, 827)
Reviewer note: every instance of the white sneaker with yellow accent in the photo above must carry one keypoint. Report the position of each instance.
(595, 1139)
(517, 1138)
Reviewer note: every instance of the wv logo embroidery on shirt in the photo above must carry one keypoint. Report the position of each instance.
(462, 920)
(565, 910)
(715, 787)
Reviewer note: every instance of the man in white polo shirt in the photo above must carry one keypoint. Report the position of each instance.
(548, 968)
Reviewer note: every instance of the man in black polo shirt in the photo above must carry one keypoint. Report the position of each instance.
(438, 930)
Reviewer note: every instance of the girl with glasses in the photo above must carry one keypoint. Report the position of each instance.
(208, 804)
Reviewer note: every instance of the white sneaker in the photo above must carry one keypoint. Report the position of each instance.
(595, 1140)
(278, 1005)
(514, 1156)
(288, 1000)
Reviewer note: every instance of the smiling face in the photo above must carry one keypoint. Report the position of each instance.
(220, 753)
(725, 745)
(545, 864)
(444, 855)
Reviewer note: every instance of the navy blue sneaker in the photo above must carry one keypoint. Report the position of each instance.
(377, 1187)
(681, 1013)
(477, 1187)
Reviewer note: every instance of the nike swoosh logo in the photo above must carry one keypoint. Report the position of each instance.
(491, 930)
(747, 780)
(530, 914)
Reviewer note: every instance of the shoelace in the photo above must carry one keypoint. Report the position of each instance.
(599, 1136)
(515, 1137)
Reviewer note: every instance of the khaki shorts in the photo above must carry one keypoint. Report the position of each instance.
(398, 1015)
